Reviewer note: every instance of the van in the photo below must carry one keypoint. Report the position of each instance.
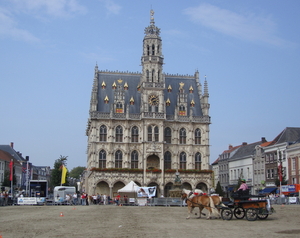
(60, 193)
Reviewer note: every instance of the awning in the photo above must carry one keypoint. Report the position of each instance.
(268, 190)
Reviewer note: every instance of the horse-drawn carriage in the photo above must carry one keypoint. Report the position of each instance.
(245, 205)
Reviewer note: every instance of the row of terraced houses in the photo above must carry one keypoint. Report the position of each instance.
(259, 162)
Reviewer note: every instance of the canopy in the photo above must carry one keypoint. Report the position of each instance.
(268, 190)
(131, 187)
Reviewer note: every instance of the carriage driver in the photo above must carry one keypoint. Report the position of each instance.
(243, 186)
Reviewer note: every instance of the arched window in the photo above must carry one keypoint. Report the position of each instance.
(197, 136)
(156, 133)
(158, 49)
(119, 134)
(134, 134)
(182, 159)
(103, 133)
(134, 160)
(118, 159)
(182, 136)
(148, 50)
(147, 75)
(182, 110)
(119, 107)
(149, 133)
(198, 161)
(102, 159)
(167, 160)
(158, 76)
(168, 135)
(153, 49)
(153, 74)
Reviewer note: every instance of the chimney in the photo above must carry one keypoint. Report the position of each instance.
(244, 143)
(263, 140)
(12, 144)
(230, 147)
(27, 158)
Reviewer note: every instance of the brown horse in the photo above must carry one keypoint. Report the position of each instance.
(202, 201)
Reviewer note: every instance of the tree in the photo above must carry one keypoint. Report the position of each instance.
(76, 172)
(6, 182)
(57, 171)
(219, 189)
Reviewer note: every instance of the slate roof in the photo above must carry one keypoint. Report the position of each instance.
(245, 150)
(289, 134)
(12, 152)
(133, 81)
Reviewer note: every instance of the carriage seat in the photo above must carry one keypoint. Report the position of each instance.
(240, 194)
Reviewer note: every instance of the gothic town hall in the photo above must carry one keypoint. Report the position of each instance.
(146, 127)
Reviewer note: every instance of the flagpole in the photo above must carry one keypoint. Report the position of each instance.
(12, 178)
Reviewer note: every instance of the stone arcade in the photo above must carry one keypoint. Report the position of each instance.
(145, 127)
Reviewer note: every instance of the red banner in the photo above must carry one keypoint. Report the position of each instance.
(280, 172)
(11, 169)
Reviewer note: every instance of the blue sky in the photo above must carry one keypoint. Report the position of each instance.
(249, 51)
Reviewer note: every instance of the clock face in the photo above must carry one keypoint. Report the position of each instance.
(153, 100)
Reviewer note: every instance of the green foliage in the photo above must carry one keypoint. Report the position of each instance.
(6, 181)
(57, 171)
(219, 189)
(76, 172)
(284, 181)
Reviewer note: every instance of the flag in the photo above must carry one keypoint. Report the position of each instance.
(63, 174)
(11, 170)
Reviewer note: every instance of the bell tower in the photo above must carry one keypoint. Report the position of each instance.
(152, 79)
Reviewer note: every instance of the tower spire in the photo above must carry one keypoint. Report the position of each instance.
(152, 17)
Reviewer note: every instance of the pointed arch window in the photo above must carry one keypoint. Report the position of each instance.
(158, 76)
(167, 160)
(158, 49)
(153, 49)
(149, 133)
(148, 50)
(147, 75)
(168, 135)
(103, 133)
(156, 133)
(198, 161)
(134, 134)
(182, 136)
(197, 136)
(102, 159)
(182, 160)
(118, 159)
(119, 134)
(134, 160)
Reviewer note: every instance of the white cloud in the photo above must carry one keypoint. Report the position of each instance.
(9, 28)
(54, 8)
(112, 7)
(249, 27)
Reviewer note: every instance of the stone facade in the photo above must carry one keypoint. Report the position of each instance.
(145, 127)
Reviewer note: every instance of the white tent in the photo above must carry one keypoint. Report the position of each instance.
(131, 187)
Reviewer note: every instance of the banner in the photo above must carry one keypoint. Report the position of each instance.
(63, 174)
(26, 174)
(146, 192)
(11, 169)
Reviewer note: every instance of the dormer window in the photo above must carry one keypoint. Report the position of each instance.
(114, 86)
(126, 86)
(103, 85)
(169, 88)
(106, 100)
(119, 107)
(182, 111)
(192, 103)
(191, 89)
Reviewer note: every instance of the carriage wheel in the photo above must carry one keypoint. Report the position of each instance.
(239, 213)
(251, 214)
(226, 213)
(262, 216)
